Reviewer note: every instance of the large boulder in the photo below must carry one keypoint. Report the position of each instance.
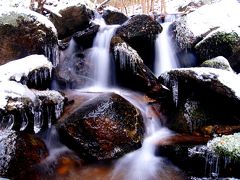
(24, 32)
(131, 72)
(71, 18)
(203, 96)
(218, 62)
(19, 151)
(140, 33)
(105, 127)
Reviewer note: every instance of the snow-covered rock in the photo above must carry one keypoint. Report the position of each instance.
(33, 70)
(24, 32)
(203, 96)
(218, 62)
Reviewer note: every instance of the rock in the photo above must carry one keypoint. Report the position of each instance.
(24, 32)
(22, 109)
(215, 29)
(105, 127)
(33, 71)
(140, 33)
(114, 17)
(86, 37)
(220, 42)
(19, 151)
(218, 62)
(234, 60)
(71, 18)
(203, 96)
(132, 73)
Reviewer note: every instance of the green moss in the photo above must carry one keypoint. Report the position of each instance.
(227, 146)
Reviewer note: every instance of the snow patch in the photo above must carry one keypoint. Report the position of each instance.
(16, 69)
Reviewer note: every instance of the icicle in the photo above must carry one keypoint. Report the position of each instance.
(38, 121)
(7, 122)
(24, 121)
(58, 109)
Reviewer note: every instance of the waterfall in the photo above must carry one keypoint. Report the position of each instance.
(143, 164)
(100, 55)
(165, 59)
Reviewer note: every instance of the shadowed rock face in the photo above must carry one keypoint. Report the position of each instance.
(105, 127)
(18, 152)
(23, 33)
(114, 17)
(140, 33)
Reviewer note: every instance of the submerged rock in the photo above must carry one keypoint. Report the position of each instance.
(24, 32)
(18, 152)
(132, 73)
(140, 33)
(106, 127)
(218, 62)
(203, 96)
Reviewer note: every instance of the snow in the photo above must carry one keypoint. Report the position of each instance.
(227, 78)
(18, 68)
(12, 89)
(222, 14)
(10, 15)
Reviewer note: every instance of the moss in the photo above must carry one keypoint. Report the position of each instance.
(227, 146)
(218, 63)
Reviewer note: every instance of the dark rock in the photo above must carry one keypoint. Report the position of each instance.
(234, 59)
(202, 96)
(140, 33)
(114, 17)
(85, 37)
(73, 19)
(105, 127)
(132, 73)
(19, 151)
(24, 32)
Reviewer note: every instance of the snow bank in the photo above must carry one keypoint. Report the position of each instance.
(15, 70)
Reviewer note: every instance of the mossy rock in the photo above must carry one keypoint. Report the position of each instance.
(218, 62)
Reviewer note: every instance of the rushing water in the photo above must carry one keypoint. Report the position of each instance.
(165, 58)
(100, 55)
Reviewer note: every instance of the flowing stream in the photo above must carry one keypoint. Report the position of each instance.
(165, 58)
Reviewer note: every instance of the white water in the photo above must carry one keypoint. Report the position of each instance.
(100, 54)
(143, 164)
(165, 59)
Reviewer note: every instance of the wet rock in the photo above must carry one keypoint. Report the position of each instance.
(218, 62)
(132, 73)
(24, 32)
(140, 33)
(18, 152)
(33, 71)
(114, 17)
(85, 37)
(105, 127)
(71, 18)
(202, 96)
(234, 60)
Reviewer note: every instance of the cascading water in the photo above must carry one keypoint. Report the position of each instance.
(143, 164)
(165, 59)
(99, 54)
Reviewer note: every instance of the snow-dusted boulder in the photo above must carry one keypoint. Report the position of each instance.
(69, 18)
(19, 151)
(33, 71)
(131, 72)
(24, 32)
(218, 62)
(203, 96)
(114, 17)
(140, 33)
